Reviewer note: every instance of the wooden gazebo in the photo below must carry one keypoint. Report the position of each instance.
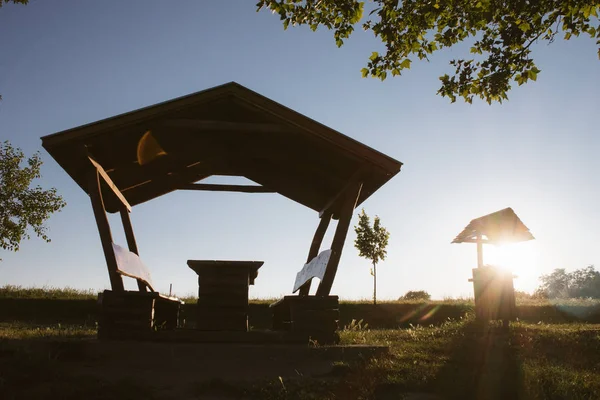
(226, 130)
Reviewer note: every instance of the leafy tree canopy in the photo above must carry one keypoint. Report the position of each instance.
(13, 1)
(371, 242)
(581, 283)
(501, 33)
(22, 206)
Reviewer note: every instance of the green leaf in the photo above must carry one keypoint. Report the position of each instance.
(532, 74)
(586, 11)
(525, 27)
(405, 64)
(365, 72)
(395, 72)
(374, 56)
(286, 23)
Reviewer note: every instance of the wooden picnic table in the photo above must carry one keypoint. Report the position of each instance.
(223, 293)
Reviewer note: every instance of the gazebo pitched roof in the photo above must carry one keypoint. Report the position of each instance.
(502, 226)
(225, 130)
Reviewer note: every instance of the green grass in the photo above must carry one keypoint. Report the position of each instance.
(455, 360)
(459, 360)
(19, 292)
(24, 331)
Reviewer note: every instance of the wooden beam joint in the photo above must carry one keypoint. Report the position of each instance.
(110, 183)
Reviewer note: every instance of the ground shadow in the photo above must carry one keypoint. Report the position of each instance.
(482, 365)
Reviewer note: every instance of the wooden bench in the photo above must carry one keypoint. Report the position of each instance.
(316, 316)
(126, 312)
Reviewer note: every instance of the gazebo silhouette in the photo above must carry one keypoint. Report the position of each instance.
(228, 130)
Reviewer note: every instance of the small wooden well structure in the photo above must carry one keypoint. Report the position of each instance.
(493, 287)
(227, 130)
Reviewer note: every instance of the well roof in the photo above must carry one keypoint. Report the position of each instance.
(502, 226)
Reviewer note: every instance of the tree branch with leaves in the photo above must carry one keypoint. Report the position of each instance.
(22, 206)
(371, 243)
(501, 32)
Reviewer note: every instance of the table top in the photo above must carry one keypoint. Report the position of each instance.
(252, 266)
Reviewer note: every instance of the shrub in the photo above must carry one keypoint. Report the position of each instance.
(523, 295)
(416, 295)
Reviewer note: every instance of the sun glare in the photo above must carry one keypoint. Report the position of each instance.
(520, 258)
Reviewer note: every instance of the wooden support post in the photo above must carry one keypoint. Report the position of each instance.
(131, 243)
(339, 238)
(316, 246)
(95, 191)
(479, 251)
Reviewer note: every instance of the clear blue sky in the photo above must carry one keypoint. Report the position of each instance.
(66, 63)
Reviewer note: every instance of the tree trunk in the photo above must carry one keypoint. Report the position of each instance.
(374, 284)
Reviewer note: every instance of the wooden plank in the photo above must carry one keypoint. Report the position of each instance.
(221, 291)
(116, 282)
(222, 325)
(315, 246)
(223, 265)
(484, 241)
(131, 243)
(227, 126)
(127, 307)
(339, 239)
(315, 326)
(132, 297)
(315, 315)
(223, 300)
(314, 269)
(118, 315)
(233, 281)
(221, 313)
(479, 251)
(110, 183)
(226, 188)
(312, 302)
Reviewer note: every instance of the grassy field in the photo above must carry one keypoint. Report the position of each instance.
(20, 292)
(454, 359)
